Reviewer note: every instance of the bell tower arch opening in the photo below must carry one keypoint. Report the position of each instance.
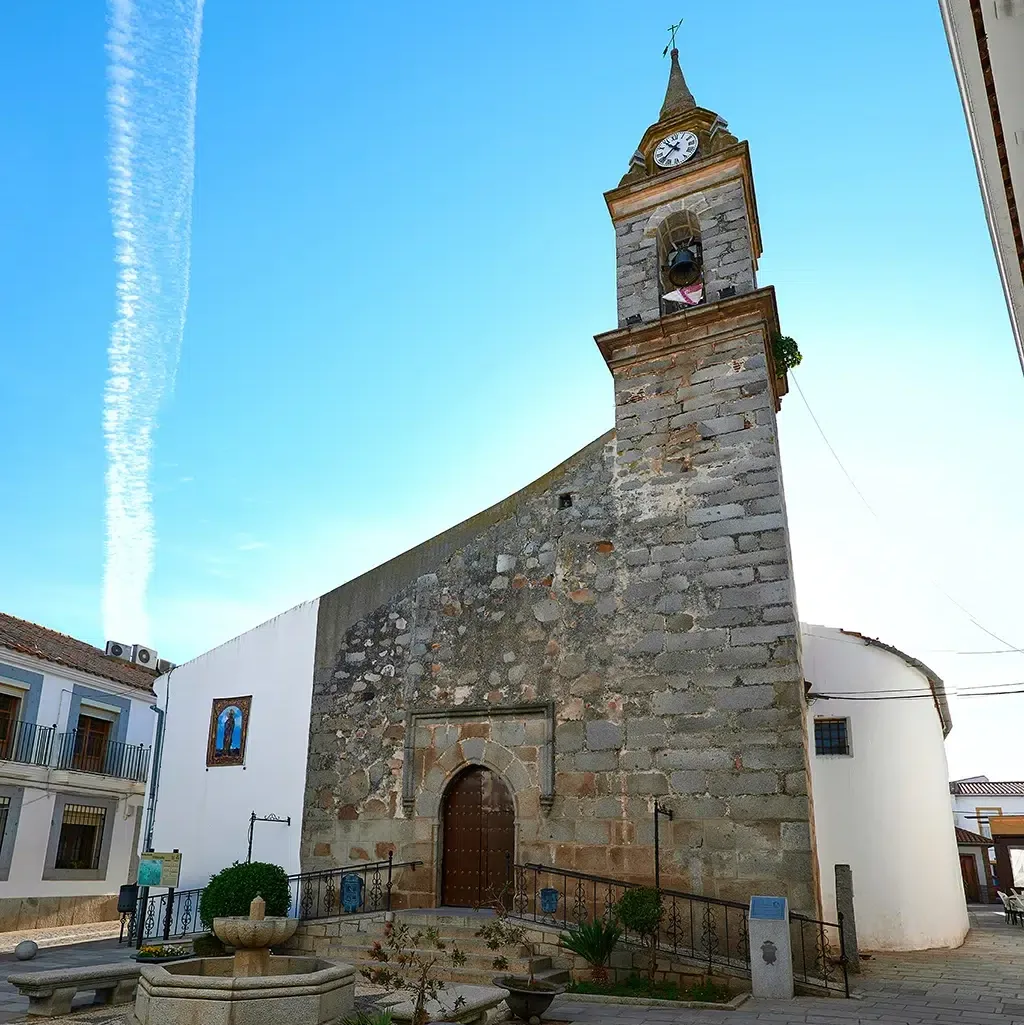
(680, 259)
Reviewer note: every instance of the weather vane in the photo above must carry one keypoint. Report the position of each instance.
(673, 29)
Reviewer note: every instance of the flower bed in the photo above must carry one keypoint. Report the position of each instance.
(153, 954)
(638, 986)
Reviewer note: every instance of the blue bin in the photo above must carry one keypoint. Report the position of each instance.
(351, 893)
(548, 900)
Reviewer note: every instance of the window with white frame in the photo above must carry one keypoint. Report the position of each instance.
(832, 736)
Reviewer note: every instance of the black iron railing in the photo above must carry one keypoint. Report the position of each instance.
(819, 953)
(27, 742)
(109, 758)
(174, 914)
(704, 929)
(696, 928)
(325, 894)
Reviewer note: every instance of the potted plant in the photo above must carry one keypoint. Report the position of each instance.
(594, 942)
(410, 961)
(528, 998)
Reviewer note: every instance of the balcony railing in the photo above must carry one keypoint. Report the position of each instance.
(33, 744)
(78, 750)
(27, 742)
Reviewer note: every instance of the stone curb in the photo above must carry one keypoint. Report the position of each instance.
(603, 998)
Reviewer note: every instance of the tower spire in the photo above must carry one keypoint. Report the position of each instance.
(678, 97)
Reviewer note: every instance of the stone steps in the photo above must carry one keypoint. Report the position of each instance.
(460, 930)
(481, 974)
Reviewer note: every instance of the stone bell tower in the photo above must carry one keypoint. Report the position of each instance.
(705, 583)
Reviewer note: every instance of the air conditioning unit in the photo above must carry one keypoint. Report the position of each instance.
(143, 656)
(118, 650)
(164, 666)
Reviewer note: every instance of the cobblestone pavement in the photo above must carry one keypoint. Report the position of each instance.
(981, 983)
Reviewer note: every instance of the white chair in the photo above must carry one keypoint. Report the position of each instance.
(1011, 912)
(1016, 907)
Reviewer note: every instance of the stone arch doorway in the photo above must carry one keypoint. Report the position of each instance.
(478, 837)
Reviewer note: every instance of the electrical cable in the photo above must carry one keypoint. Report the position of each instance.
(909, 696)
(867, 505)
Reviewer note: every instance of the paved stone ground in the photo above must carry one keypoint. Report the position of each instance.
(60, 936)
(13, 1005)
(981, 983)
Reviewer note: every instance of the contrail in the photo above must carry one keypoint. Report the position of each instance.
(153, 52)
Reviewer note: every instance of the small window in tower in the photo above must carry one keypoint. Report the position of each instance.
(565, 501)
(831, 736)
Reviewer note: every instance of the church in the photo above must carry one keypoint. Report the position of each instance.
(623, 628)
(618, 638)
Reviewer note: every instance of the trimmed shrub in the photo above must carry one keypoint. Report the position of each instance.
(207, 945)
(230, 892)
(640, 911)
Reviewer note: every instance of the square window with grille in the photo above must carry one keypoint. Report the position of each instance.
(81, 837)
(831, 736)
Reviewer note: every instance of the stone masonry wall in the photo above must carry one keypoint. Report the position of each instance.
(725, 238)
(655, 615)
(707, 605)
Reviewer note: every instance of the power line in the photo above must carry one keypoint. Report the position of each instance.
(954, 651)
(867, 505)
(915, 695)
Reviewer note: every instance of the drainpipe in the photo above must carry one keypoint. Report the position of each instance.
(154, 778)
(154, 784)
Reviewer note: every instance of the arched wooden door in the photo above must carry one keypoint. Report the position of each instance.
(479, 839)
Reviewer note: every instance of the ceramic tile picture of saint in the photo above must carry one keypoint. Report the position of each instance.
(229, 729)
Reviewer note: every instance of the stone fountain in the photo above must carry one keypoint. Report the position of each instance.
(252, 987)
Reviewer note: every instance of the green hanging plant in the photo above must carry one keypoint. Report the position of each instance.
(786, 354)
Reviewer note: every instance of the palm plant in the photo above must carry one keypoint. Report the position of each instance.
(594, 942)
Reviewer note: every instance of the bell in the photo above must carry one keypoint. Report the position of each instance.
(683, 268)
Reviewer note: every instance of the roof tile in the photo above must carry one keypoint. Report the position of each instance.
(50, 646)
(965, 836)
(1009, 788)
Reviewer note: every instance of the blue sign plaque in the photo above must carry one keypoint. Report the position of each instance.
(772, 909)
(351, 893)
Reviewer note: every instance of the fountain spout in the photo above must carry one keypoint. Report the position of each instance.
(253, 937)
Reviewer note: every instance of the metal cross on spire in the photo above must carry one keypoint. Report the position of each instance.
(672, 30)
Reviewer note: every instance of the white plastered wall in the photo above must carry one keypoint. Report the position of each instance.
(204, 812)
(885, 809)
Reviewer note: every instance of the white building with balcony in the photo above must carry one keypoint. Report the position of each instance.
(76, 731)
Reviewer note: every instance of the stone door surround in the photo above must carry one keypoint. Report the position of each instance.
(480, 713)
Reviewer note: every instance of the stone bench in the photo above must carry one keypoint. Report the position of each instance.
(477, 1001)
(50, 993)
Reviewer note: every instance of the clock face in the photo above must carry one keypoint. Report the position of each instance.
(675, 149)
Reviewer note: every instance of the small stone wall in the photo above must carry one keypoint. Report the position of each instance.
(314, 939)
(20, 913)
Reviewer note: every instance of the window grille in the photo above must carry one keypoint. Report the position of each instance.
(81, 837)
(5, 807)
(831, 737)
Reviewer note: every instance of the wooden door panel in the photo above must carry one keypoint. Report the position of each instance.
(969, 871)
(91, 741)
(479, 839)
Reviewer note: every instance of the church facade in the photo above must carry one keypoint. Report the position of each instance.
(623, 631)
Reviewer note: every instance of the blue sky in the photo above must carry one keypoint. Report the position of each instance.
(400, 255)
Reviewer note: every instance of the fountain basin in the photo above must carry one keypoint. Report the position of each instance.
(254, 933)
(204, 991)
